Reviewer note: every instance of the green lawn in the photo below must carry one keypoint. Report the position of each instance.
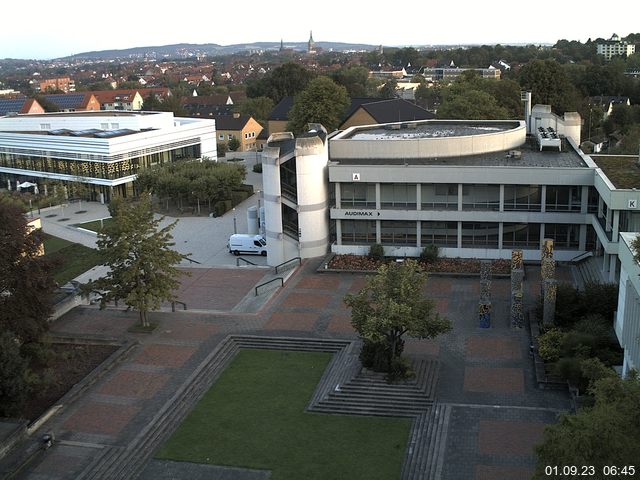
(69, 259)
(95, 225)
(254, 417)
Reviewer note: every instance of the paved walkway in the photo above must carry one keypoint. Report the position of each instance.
(486, 377)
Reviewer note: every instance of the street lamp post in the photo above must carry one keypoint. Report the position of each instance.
(235, 224)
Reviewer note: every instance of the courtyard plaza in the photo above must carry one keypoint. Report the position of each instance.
(496, 413)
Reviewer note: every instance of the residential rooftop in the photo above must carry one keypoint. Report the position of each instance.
(622, 171)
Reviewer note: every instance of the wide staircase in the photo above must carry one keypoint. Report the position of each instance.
(587, 271)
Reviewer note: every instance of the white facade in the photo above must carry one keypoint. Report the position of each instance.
(295, 183)
(627, 321)
(104, 149)
(615, 47)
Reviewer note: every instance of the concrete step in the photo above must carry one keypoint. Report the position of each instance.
(367, 411)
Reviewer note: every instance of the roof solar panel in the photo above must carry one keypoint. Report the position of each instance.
(69, 100)
(11, 105)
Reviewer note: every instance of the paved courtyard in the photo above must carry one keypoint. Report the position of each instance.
(486, 375)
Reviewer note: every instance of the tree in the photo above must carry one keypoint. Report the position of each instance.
(233, 144)
(26, 285)
(287, 80)
(606, 434)
(549, 85)
(470, 105)
(391, 305)
(13, 371)
(323, 101)
(354, 79)
(259, 108)
(142, 265)
(388, 90)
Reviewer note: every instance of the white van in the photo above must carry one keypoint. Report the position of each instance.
(244, 243)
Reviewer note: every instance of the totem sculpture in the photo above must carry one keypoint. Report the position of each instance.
(517, 277)
(549, 284)
(484, 306)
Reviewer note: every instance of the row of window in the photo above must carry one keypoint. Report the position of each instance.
(473, 234)
(110, 171)
(474, 197)
(230, 136)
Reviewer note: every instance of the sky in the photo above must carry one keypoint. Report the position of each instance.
(44, 30)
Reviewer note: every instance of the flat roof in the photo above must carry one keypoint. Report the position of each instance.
(530, 156)
(622, 171)
(93, 113)
(430, 129)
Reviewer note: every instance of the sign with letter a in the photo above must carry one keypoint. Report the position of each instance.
(356, 177)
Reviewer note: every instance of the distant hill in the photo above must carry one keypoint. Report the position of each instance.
(182, 50)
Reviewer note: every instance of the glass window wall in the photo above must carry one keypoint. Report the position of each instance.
(479, 235)
(401, 196)
(481, 197)
(442, 234)
(562, 198)
(358, 232)
(398, 233)
(358, 195)
(521, 235)
(565, 237)
(522, 198)
(439, 196)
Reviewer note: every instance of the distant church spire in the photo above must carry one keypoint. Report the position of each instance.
(281, 45)
(311, 46)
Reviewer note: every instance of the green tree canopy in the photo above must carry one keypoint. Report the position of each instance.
(354, 79)
(392, 304)
(470, 105)
(285, 81)
(549, 85)
(323, 101)
(142, 264)
(259, 108)
(26, 285)
(606, 434)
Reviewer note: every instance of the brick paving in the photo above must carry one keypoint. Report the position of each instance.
(486, 375)
(493, 380)
(128, 383)
(102, 418)
(519, 438)
(165, 355)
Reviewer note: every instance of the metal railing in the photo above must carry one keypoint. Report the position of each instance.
(192, 260)
(270, 281)
(278, 267)
(581, 257)
(173, 305)
(248, 262)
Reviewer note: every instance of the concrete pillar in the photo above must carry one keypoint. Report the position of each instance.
(607, 222)
(605, 262)
(549, 302)
(338, 188)
(338, 232)
(459, 197)
(541, 234)
(613, 268)
(418, 196)
(418, 233)
(501, 205)
(615, 225)
(584, 200)
(459, 234)
(500, 233)
(582, 242)
(543, 199)
(378, 199)
(378, 231)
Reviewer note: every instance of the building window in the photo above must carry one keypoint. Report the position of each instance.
(398, 196)
(358, 195)
(481, 197)
(398, 233)
(221, 136)
(563, 198)
(521, 235)
(439, 196)
(479, 235)
(522, 198)
(565, 237)
(45, 126)
(115, 126)
(358, 232)
(442, 234)
(230, 136)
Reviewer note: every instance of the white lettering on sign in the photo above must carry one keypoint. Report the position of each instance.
(633, 204)
(356, 177)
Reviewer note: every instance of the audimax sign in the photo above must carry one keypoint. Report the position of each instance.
(361, 213)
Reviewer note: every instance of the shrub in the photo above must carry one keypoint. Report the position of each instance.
(233, 144)
(594, 324)
(570, 368)
(549, 344)
(221, 207)
(238, 197)
(430, 253)
(578, 344)
(14, 386)
(257, 168)
(400, 369)
(376, 252)
(375, 356)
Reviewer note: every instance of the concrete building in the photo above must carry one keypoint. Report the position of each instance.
(102, 149)
(451, 73)
(64, 84)
(615, 47)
